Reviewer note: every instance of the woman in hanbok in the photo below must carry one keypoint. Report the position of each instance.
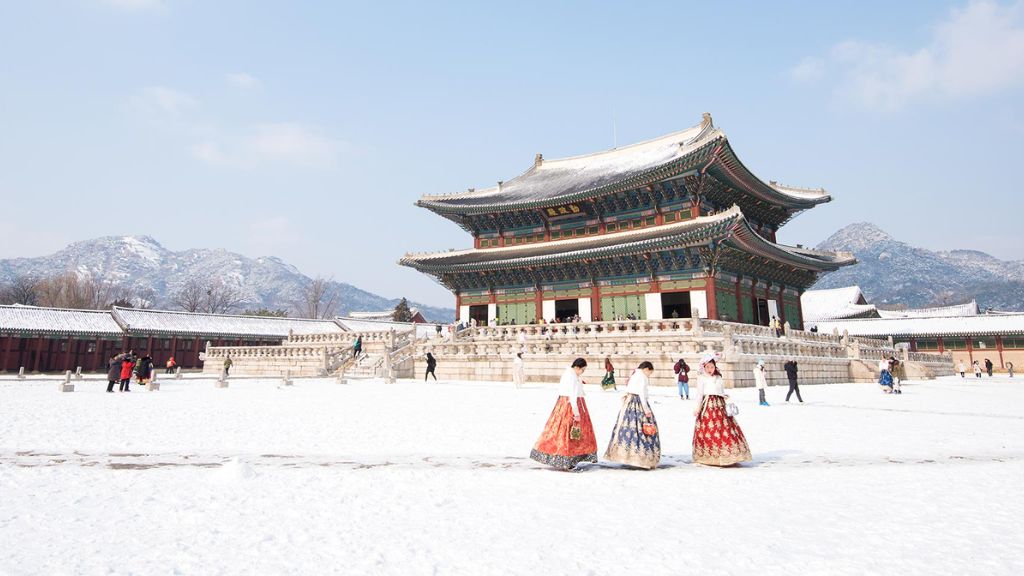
(609, 375)
(635, 439)
(568, 437)
(717, 438)
(518, 370)
(884, 375)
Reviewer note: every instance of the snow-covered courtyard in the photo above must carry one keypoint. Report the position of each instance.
(414, 478)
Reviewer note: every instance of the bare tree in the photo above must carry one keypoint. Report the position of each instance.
(190, 297)
(215, 297)
(71, 291)
(22, 290)
(319, 299)
(222, 298)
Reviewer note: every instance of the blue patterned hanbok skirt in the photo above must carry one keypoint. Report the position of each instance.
(629, 445)
(885, 379)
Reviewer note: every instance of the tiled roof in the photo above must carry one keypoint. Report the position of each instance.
(835, 303)
(966, 309)
(569, 179)
(38, 320)
(364, 325)
(728, 223)
(983, 324)
(189, 323)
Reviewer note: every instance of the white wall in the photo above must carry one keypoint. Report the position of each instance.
(699, 302)
(547, 308)
(586, 313)
(463, 314)
(773, 309)
(492, 312)
(652, 301)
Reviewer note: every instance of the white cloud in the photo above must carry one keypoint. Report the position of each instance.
(283, 143)
(978, 50)
(242, 80)
(134, 4)
(165, 101)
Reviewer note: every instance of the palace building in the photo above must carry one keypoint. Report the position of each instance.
(662, 229)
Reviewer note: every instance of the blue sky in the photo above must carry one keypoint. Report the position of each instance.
(306, 130)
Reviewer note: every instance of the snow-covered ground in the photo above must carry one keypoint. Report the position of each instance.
(417, 478)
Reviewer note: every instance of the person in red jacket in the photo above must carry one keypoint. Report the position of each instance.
(126, 371)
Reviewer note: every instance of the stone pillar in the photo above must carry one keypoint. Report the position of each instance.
(66, 385)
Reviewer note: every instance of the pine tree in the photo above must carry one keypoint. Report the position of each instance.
(402, 312)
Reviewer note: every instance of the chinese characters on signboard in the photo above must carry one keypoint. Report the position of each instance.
(565, 210)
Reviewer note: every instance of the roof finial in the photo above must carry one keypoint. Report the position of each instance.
(706, 120)
(538, 160)
(500, 182)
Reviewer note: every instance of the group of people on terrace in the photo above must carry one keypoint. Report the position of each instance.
(568, 438)
(989, 367)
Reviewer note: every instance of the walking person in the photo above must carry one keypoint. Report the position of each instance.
(760, 381)
(518, 370)
(717, 437)
(357, 346)
(635, 440)
(988, 367)
(568, 436)
(791, 371)
(682, 370)
(884, 376)
(126, 372)
(977, 369)
(963, 369)
(1009, 368)
(608, 382)
(227, 365)
(431, 365)
(113, 371)
(171, 364)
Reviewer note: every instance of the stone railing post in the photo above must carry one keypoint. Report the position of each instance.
(66, 385)
(21, 373)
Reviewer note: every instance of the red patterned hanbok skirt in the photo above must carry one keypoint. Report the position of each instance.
(555, 448)
(717, 438)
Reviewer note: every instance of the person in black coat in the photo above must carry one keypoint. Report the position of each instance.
(431, 364)
(144, 369)
(113, 371)
(988, 367)
(790, 367)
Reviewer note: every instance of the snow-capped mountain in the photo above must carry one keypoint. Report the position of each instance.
(893, 272)
(142, 263)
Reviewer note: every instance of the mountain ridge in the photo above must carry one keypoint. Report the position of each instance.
(141, 262)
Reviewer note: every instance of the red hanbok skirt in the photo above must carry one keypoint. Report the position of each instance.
(717, 438)
(555, 448)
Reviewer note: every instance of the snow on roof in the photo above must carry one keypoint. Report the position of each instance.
(835, 303)
(381, 315)
(350, 324)
(19, 318)
(982, 324)
(965, 309)
(192, 323)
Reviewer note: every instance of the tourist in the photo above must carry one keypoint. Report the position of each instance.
(144, 369)
(791, 371)
(760, 381)
(518, 370)
(1009, 368)
(171, 364)
(635, 439)
(126, 371)
(113, 372)
(608, 382)
(431, 365)
(977, 369)
(963, 369)
(568, 437)
(227, 365)
(682, 370)
(898, 373)
(884, 376)
(717, 438)
(988, 367)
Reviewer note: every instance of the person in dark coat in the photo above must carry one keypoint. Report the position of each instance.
(126, 371)
(988, 367)
(790, 367)
(682, 370)
(113, 371)
(144, 369)
(431, 364)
